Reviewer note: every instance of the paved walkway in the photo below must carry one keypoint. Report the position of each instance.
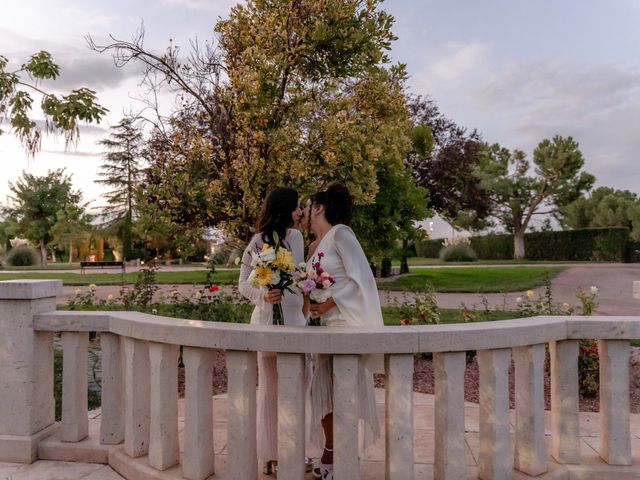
(373, 458)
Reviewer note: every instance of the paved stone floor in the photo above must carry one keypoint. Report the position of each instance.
(373, 458)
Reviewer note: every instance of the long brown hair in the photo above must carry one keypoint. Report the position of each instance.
(275, 215)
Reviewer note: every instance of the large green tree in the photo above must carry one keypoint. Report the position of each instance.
(121, 173)
(295, 93)
(517, 193)
(603, 207)
(72, 227)
(62, 113)
(35, 204)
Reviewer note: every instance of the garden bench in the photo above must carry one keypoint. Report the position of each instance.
(102, 265)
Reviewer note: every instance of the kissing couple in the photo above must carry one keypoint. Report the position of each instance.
(353, 302)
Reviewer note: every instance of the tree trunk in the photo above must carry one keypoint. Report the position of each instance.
(53, 255)
(518, 245)
(404, 265)
(70, 252)
(43, 253)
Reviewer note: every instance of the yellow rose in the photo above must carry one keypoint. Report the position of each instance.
(530, 293)
(284, 260)
(263, 275)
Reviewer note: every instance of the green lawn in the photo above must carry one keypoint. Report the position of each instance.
(191, 277)
(470, 279)
(393, 315)
(465, 279)
(422, 261)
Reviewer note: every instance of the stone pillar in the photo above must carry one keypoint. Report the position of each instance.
(615, 435)
(242, 460)
(636, 289)
(136, 397)
(75, 418)
(346, 461)
(164, 451)
(26, 372)
(449, 460)
(530, 452)
(291, 416)
(565, 439)
(198, 460)
(399, 417)
(495, 461)
(112, 408)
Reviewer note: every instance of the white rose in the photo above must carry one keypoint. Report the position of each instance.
(519, 300)
(326, 283)
(319, 295)
(275, 277)
(252, 280)
(268, 255)
(594, 290)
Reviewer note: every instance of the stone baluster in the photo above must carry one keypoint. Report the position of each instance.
(136, 397)
(615, 436)
(495, 460)
(291, 416)
(198, 460)
(75, 419)
(112, 408)
(565, 439)
(346, 461)
(242, 458)
(449, 455)
(27, 409)
(530, 448)
(164, 451)
(399, 417)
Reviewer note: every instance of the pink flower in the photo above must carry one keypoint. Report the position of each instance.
(214, 288)
(320, 254)
(405, 321)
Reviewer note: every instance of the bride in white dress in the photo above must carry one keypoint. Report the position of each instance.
(280, 211)
(355, 303)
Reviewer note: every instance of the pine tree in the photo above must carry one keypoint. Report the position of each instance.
(121, 171)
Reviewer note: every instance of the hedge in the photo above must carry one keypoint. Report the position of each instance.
(599, 244)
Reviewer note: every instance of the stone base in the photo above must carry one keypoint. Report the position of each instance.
(139, 468)
(88, 450)
(24, 449)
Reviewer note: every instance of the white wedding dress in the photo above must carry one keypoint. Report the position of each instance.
(267, 401)
(357, 305)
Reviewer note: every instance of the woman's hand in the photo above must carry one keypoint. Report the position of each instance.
(319, 309)
(273, 296)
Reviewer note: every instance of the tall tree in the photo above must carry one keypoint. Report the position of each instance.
(35, 204)
(517, 194)
(62, 114)
(121, 172)
(72, 227)
(604, 207)
(445, 169)
(308, 95)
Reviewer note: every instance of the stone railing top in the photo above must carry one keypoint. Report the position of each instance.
(29, 289)
(343, 340)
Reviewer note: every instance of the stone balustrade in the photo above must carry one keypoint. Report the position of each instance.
(140, 394)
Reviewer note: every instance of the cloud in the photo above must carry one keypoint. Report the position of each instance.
(221, 7)
(458, 60)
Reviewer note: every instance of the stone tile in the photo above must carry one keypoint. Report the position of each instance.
(105, 473)
(44, 469)
(423, 417)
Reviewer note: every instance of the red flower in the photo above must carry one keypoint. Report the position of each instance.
(405, 321)
(316, 265)
(585, 349)
(594, 350)
(320, 254)
(214, 288)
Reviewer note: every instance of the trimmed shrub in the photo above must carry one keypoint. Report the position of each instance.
(493, 247)
(458, 253)
(385, 268)
(22, 257)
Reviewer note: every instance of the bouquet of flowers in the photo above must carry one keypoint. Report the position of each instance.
(314, 282)
(273, 268)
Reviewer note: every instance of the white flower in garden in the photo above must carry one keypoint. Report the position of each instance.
(566, 306)
(154, 312)
(519, 300)
(77, 292)
(198, 294)
(110, 297)
(594, 290)
(92, 287)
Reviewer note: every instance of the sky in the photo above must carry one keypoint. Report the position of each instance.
(516, 71)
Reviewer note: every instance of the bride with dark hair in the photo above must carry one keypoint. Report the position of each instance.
(280, 210)
(354, 302)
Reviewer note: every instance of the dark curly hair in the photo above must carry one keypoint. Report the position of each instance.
(275, 215)
(337, 202)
